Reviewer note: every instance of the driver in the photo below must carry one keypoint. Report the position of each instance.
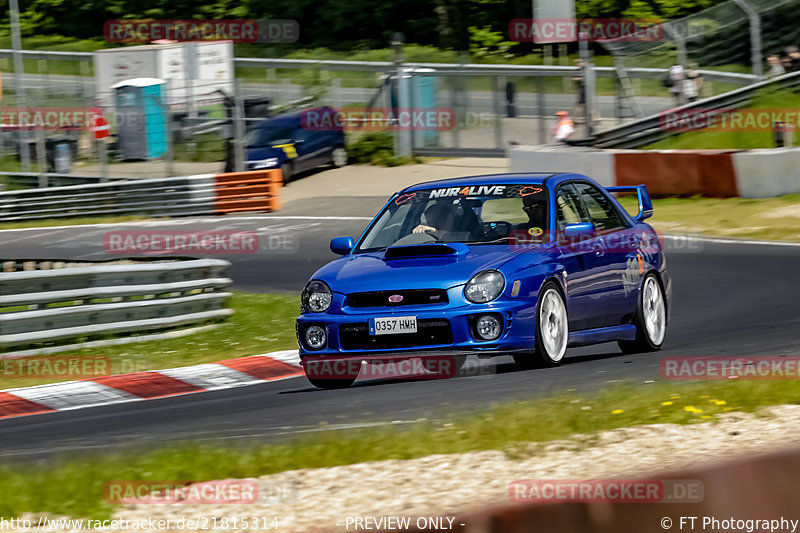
(537, 220)
(440, 216)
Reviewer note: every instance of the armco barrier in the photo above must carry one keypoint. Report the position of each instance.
(189, 195)
(40, 302)
(712, 173)
(761, 488)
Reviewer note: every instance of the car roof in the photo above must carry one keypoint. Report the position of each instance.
(517, 178)
(291, 118)
(287, 119)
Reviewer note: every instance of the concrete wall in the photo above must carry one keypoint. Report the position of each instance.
(713, 173)
(599, 165)
(767, 173)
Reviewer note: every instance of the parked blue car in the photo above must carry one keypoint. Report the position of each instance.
(288, 142)
(509, 264)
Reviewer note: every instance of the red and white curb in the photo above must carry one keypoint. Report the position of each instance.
(149, 385)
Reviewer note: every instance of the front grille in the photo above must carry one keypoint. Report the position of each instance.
(409, 297)
(430, 332)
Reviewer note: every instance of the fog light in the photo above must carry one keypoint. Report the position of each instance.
(487, 327)
(315, 337)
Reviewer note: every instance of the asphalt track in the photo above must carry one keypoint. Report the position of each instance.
(729, 299)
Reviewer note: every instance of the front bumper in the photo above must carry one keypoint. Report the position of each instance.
(442, 330)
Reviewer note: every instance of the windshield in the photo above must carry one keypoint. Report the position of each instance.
(478, 214)
(269, 135)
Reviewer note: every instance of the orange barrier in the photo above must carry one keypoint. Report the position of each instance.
(679, 173)
(719, 174)
(238, 192)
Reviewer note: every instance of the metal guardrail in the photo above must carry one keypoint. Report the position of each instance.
(81, 302)
(457, 69)
(167, 196)
(477, 69)
(189, 195)
(34, 179)
(648, 130)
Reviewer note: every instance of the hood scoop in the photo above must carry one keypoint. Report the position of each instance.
(426, 250)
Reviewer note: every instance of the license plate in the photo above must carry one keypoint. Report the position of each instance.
(393, 325)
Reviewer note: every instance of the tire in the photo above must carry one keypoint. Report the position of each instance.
(650, 318)
(552, 331)
(331, 384)
(339, 157)
(287, 172)
(338, 380)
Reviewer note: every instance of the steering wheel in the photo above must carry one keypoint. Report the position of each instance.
(433, 233)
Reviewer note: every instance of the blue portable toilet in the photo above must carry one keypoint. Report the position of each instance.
(141, 118)
(423, 96)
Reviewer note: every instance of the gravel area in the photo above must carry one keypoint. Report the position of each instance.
(448, 485)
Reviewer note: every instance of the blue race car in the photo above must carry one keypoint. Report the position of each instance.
(509, 264)
(289, 143)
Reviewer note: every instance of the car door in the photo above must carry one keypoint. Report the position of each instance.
(313, 147)
(620, 257)
(589, 276)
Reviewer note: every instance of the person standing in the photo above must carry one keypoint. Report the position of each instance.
(676, 75)
(692, 83)
(563, 129)
(775, 67)
(580, 85)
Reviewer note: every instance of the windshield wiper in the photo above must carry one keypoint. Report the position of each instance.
(495, 241)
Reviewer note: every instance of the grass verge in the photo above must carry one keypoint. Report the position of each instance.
(78, 221)
(261, 323)
(776, 219)
(74, 487)
(715, 139)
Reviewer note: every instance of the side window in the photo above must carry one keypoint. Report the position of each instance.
(568, 208)
(603, 213)
(301, 134)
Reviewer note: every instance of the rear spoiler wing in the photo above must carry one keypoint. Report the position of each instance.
(645, 204)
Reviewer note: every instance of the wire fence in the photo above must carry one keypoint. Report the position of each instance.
(737, 35)
(203, 125)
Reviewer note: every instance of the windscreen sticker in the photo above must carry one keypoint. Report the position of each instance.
(527, 191)
(403, 198)
(475, 190)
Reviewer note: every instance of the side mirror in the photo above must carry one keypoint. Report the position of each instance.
(579, 231)
(342, 245)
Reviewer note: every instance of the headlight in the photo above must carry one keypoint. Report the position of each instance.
(484, 286)
(488, 327)
(316, 296)
(315, 337)
(264, 163)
